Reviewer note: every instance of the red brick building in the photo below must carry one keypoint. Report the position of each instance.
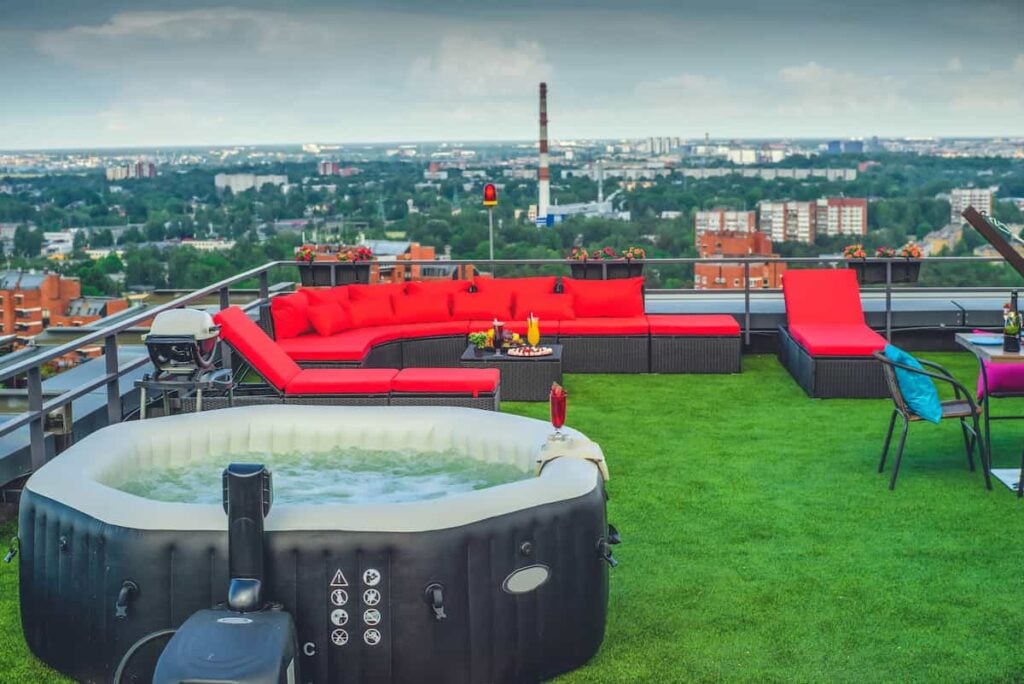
(32, 302)
(729, 276)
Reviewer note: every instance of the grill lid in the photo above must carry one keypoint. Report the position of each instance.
(183, 323)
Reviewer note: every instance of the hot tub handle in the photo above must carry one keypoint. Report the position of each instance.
(12, 550)
(434, 594)
(604, 552)
(613, 535)
(121, 607)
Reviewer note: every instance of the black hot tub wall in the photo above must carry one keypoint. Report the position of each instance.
(72, 568)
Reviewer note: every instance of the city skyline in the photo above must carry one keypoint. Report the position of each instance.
(145, 74)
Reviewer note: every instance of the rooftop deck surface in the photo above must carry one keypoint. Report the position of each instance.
(761, 544)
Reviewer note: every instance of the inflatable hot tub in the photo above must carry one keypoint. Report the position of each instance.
(520, 567)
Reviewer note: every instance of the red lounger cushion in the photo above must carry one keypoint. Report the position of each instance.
(341, 381)
(821, 296)
(468, 306)
(622, 298)
(447, 381)
(608, 327)
(838, 340)
(347, 347)
(550, 307)
(421, 308)
(265, 356)
(697, 325)
(290, 314)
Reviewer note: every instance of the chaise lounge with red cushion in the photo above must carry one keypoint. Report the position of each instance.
(470, 387)
(601, 325)
(827, 347)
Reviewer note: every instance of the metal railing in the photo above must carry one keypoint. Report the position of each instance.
(39, 406)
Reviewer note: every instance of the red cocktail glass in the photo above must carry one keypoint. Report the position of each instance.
(499, 332)
(557, 401)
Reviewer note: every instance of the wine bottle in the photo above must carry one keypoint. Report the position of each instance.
(1011, 326)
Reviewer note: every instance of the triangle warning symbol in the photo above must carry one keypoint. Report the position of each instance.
(339, 579)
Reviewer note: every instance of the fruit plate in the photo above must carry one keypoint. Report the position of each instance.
(530, 352)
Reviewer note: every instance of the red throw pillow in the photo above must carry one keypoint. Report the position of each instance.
(534, 285)
(371, 312)
(330, 318)
(437, 287)
(421, 308)
(359, 293)
(551, 307)
(326, 295)
(290, 314)
(477, 306)
(620, 298)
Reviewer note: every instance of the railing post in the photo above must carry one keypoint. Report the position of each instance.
(37, 437)
(746, 303)
(225, 353)
(604, 270)
(888, 300)
(113, 381)
(264, 286)
(225, 298)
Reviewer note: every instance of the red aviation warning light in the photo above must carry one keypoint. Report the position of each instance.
(490, 195)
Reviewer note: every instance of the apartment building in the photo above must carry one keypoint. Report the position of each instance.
(781, 221)
(841, 216)
(723, 220)
(729, 276)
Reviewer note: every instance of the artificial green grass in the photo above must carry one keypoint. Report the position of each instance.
(760, 543)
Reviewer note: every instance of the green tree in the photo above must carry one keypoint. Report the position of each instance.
(28, 242)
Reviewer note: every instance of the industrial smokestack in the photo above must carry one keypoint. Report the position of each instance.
(543, 173)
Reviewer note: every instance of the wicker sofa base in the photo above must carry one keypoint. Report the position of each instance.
(832, 377)
(689, 354)
(594, 354)
(387, 355)
(433, 352)
(487, 402)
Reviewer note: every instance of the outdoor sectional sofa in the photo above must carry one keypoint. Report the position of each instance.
(290, 384)
(827, 346)
(601, 325)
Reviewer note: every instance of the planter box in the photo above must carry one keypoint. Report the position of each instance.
(597, 270)
(872, 271)
(326, 274)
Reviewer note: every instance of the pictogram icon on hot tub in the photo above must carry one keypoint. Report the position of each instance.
(371, 616)
(371, 577)
(339, 597)
(371, 597)
(371, 637)
(339, 617)
(339, 637)
(339, 579)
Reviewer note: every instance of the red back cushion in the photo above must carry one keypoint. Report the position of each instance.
(330, 318)
(822, 295)
(517, 286)
(421, 308)
(551, 307)
(437, 287)
(370, 305)
(323, 295)
(359, 293)
(260, 351)
(290, 314)
(619, 298)
(468, 306)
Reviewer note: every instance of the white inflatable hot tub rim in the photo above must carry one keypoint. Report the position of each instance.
(79, 477)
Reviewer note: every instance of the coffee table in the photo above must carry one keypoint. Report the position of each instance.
(523, 378)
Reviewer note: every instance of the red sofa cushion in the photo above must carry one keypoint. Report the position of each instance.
(608, 327)
(551, 307)
(838, 340)
(437, 287)
(421, 308)
(341, 381)
(367, 313)
(531, 285)
(713, 324)
(330, 318)
(323, 295)
(822, 295)
(358, 292)
(447, 380)
(467, 306)
(620, 298)
(290, 314)
(265, 356)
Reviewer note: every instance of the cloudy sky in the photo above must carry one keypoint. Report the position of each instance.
(90, 73)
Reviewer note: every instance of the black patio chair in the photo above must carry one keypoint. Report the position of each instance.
(962, 407)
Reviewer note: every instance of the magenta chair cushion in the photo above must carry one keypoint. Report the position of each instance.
(1002, 377)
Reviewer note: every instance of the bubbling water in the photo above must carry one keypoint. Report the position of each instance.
(350, 476)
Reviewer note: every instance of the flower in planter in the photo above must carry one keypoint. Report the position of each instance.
(305, 254)
(854, 252)
(632, 253)
(355, 254)
(885, 252)
(578, 254)
(605, 254)
(911, 251)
